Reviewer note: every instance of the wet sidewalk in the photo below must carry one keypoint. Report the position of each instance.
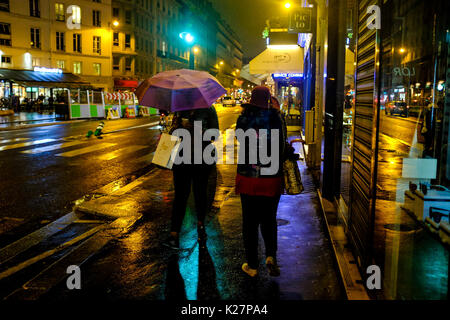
(23, 119)
(137, 266)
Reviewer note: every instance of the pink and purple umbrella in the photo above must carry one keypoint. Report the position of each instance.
(179, 90)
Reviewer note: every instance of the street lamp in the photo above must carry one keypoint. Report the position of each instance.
(402, 50)
(189, 38)
(115, 23)
(186, 36)
(287, 5)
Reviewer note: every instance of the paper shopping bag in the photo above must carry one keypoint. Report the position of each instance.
(166, 151)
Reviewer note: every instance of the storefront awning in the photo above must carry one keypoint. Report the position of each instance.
(275, 60)
(44, 79)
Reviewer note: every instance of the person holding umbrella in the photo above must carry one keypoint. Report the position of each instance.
(189, 95)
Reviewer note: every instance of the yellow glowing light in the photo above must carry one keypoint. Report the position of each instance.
(115, 23)
(283, 46)
(221, 63)
(196, 50)
(287, 5)
(402, 50)
(237, 70)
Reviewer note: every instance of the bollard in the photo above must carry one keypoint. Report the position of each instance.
(89, 134)
(99, 129)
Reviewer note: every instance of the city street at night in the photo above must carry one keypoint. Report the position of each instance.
(147, 269)
(224, 158)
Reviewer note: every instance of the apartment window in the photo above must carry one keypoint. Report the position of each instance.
(61, 64)
(116, 39)
(127, 40)
(76, 14)
(77, 67)
(36, 62)
(59, 12)
(60, 43)
(6, 59)
(4, 5)
(35, 38)
(5, 28)
(96, 18)
(127, 16)
(34, 8)
(128, 61)
(97, 69)
(77, 42)
(5, 42)
(115, 12)
(97, 45)
(116, 63)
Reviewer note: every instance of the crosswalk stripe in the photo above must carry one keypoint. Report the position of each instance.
(81, 151)
(120, 152)
(13, 140)
(146, 158)
(26, 144)
(53, 147)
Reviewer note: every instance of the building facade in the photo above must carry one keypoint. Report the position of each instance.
(36, 33)
(146, 40)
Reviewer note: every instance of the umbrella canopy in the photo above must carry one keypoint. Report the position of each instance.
(179, 90)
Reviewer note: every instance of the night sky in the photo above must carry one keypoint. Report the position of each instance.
(248, 19)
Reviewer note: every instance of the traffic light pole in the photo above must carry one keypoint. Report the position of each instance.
(191, 58)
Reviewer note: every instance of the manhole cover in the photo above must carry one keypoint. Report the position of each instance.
(400, 227)
(282, 222)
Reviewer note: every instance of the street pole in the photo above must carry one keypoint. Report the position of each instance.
(191, 58)
(334, 99)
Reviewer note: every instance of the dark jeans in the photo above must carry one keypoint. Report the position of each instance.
(183, 177)
(258, 210)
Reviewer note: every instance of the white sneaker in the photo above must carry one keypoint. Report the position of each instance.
(251, 272)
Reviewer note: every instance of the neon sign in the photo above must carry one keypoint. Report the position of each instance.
(47, 70)
(288, 75)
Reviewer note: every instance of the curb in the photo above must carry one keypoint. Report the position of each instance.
(350, 277)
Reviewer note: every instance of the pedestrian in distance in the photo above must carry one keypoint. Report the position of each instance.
(195, 175)
(260, 194)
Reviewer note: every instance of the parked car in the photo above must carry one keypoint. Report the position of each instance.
(228, 101)
(397, 107)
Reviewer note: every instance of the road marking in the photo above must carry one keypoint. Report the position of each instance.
(48, 253)
(146, 158)
(117, 153)
(53, 147)
(81, 151)
(14, 140)
(35, 237)
(133, 184)
(56, 272)
(26, 144)
(135, 127)
(392, 139)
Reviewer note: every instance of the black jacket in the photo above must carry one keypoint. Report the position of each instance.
(253, 117)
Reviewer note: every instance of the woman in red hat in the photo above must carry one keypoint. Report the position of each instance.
(260, 194)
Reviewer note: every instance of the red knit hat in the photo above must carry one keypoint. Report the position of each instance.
(260, 97)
